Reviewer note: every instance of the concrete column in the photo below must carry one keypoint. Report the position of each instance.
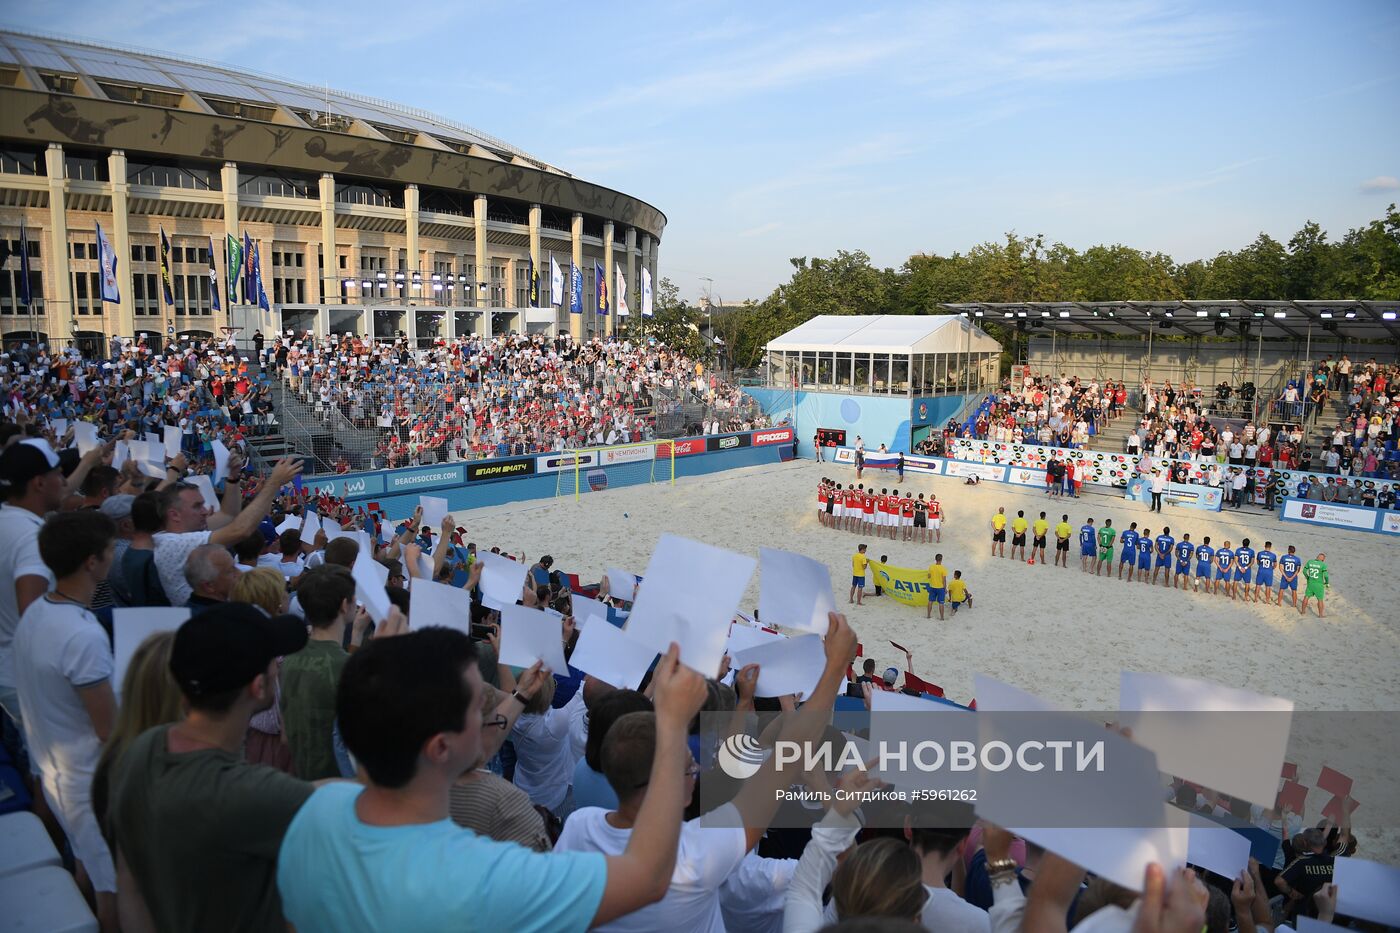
(58, 304)
(312, 277)
(609, 323)
(646, 264)
(512, 269)
(541, 274)
(483, 273)
(330, 273)
(121, 242)
(576, 235)
(655, 249)
(634, 291)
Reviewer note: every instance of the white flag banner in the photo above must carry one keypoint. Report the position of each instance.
(646, 293)
(107, 265)
(556, 283)
(621, 290)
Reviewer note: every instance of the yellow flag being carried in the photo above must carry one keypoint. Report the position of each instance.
(904, 584)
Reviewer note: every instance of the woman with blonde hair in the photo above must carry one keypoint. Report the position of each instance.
(265, 588)
(150, 698)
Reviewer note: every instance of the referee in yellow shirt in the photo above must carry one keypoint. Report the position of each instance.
(999, 532)
(858, 564)
(937, 586)
(1018, 535)
(1041, 528)
(1062, 536)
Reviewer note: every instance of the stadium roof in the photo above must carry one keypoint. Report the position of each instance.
(887, 333)
(1291, 320)
(205, 81)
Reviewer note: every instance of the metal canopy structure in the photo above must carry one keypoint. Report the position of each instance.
(1278, 320)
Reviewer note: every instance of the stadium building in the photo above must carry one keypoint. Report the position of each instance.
(368, 217)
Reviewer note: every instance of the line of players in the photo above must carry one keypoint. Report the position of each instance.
(1239, 572)
(885, 514)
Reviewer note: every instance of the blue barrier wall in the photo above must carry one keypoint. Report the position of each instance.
(877, 419)
(481, 483)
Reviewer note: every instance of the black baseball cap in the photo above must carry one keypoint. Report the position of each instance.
(225, 647)
(25, 460)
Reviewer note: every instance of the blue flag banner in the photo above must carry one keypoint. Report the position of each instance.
(576, 289)
(213, 277)
(107, 264)
(258, 289)
(26, 297)
(600, 287)
(250, 295)
(165, 269)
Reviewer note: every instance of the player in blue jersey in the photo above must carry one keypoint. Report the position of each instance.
(1088, 545)
(1290, 565)
(1165, 543)
(1264, 572)
(1244, 569)
(1129, 558)
(1184, 550)
(1144, 554)
(1224, 569)
(1204, 553)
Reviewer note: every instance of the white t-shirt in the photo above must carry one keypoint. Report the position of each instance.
(19, 557)
(544, 765)
(59, 648)
(945, 912)
(753, 895)
(172, 550)
(705, 856)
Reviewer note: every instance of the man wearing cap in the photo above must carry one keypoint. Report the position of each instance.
(196, 826)
(185, 523)
(32, 485)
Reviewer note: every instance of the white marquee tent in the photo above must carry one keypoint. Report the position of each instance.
(893, 354)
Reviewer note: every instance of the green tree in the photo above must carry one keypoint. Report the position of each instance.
(674, 323)
(1309, 269)
(1368, 260)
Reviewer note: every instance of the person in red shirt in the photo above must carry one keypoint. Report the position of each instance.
(907, 518)
(935, 517)
(868, 507)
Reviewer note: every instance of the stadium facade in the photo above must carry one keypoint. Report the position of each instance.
(369, 217)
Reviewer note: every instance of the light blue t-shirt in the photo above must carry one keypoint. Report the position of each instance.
(339, 874)
(592, 789)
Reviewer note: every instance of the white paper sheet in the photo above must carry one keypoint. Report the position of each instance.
(993, 696)
(1367, 890)
(130, 627)
(611, 655)
(1193, 741)
(529, 635)
(121, 452)
(792, 665)
(434, 511)
(425, 568)
(1309, 925)
(310, 525)
(290, 523)
(586, 610)
(140, 451)
(85, 434)
(152, 469)
(206, 490)
(1216, 848)
(689, 598)
(1120, 855)
(502, 580)
(171, 437)
(370, 577)
(60, 428)
(154, 439)
(440, 604)
(622, 584)
(220, 460)
(743, 637)
(794, 590)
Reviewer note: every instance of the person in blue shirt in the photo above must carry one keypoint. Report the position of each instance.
(386, 855)
(1184, 550)
(1264, 572)
(1204, 553)
(1290, 565)
(1144, 554)
(1129, 558)
(1244, 569)
(1165, 544)
(1224, 564)
(1088, 544)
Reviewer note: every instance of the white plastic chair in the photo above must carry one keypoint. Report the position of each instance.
(24, 844)
(44, 898)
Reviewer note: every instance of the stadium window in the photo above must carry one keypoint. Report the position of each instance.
(17, 162)
(79, 168)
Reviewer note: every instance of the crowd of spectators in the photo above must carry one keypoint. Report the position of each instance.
(282, 758)
(477, 397)
(1063, 412)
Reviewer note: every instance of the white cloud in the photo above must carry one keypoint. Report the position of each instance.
(760, 229)
(1380, 183)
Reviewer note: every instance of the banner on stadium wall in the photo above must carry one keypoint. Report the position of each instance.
(726, 441)
(992, 472)
(1022, 476)
(1205, 498)
(615, 456)
(564, 462)
(775, 436)
(500, 469)
(1105, 468)
(1390, 523)
(346, 487)
(423, 478)
(693, 445)
(903, 584)
(1356, 517)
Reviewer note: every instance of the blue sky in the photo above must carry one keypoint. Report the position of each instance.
(771, 130)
